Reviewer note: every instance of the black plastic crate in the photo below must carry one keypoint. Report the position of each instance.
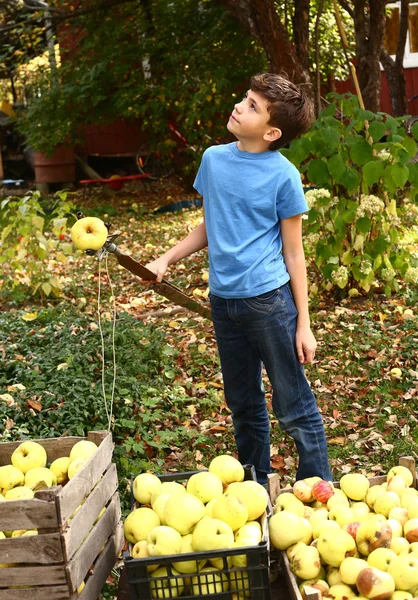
(253, 580)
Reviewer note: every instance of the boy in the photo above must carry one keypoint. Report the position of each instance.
(253, 204)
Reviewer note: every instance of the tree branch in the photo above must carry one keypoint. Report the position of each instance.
(403, 31)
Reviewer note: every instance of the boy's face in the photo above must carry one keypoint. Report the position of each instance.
(249, 119)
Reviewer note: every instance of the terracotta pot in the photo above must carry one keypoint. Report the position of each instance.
(60, 167)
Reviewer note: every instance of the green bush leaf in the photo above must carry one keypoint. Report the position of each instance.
(377, 130)
(399, 174)
(361, 152)
(336, 167)
(363, 224)
(318, 171)
(373, 171)
(350, 179)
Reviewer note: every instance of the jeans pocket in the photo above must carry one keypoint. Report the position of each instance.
(264, 302)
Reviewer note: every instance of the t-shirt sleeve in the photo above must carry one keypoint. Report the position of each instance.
(291, 198)
(198, 182)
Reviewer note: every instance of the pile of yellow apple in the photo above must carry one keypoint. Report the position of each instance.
(28, 472)
(214, 510)
(356, 541)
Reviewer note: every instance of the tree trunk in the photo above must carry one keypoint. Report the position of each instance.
(394, 68)
(260, 18)
(369, 27)
(301, 32)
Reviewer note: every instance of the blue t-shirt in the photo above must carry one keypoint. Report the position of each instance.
(245, 197)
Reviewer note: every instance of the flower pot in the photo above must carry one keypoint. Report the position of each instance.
(57, 168)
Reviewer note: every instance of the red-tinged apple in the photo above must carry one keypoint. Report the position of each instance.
(227, 468)
(212, 534)
(167, 584)
(335, 545)
(285, 529)
(183, 512)
(410, 530)
(303, 491)
(404, 570)
(306, 563)
(375, 584)
(354, 485)
(286, 501)
(322, 490)
(89, 233)
(341, 591)
(350, 568)
(373, 533)
(352, 528)
(403, 472)
(399, 514)
(205, 485)
(385, 502)
(381, 558)
(400, 545)
(29, 455)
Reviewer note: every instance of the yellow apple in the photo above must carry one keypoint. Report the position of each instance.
(209, 581)
(212, 534)
(400, 545)
(372, 494)
(361, 511)
(350, 568)
(183, 512)
(83, 448)
(285, 529)
(337, 498)
(342, 514)
(60, 469)
(89, 233)
(163, 541)
(413, 508)
(385, 502)
(139, 550)
(162, 585)
(373, 533)
(24, 533)
(227, 468)
(396, 527)
(408, 495)
(404, 570)
(335, 545)
(333, 575)
(399, 514)
(320, 585)
(209, 507)
(308, 537)
(306, 563)
(188, 566)
(355, 485)
(240, 583)
(205, 485)
(29, 455)
(375, 584)
(39, 476)
(19, 493)
(287, 501)
(251, 529)
(341, 591)
(230, 509)
(168, 487)
(76, 465)
(144, 485)
(403, 472)
(397, 484)
(254, 496)
(10, 477)
(139, 523)
(159, 505)
(399, 595)
(381, 558)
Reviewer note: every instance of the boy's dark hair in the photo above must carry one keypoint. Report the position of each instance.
(289, 107)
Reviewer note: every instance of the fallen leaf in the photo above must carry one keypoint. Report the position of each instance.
(30, 316)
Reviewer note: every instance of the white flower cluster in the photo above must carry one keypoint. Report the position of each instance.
(411, 276)
(387, 274)
(365, 267)
(311, 196)
(340, 276)
(370, 205)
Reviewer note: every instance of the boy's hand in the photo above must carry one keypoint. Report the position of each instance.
(305, 345)
(159, 267)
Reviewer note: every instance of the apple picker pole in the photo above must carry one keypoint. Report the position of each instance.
(166, 289)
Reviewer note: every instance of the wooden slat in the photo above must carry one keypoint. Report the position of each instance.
(409, 463)
(102, 567)
(79, 565)
(311, 593)
(55, 447)
(84, 518)
(78, 488)
(51, 592)
(40, 549)
(28, 514)
(25, 575)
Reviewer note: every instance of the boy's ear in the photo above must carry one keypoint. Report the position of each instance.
(272, 134)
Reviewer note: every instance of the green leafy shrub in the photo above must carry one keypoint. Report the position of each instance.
(33, 239)
(360, 163)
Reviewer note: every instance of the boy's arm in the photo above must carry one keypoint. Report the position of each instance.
(294, 258)
(196, 240)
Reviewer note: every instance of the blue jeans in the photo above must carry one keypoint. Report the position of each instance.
(252, 331)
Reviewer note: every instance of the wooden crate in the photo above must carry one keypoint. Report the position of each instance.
(66, 551)
(280, 562)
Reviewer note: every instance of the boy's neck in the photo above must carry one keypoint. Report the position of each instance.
(254, 146)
